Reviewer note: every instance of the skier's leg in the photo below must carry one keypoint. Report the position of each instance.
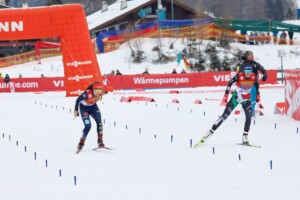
(84, 113)
(248, 114)
(96, 114)
(231, 105)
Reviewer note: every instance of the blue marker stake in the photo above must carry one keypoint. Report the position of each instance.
(17, 143)
(235, 120)
(3, 135)
(271, 164)
(114, 124)
(140, 130)
(190, 111)
(253, 122)
(9, 138)
(126, 127)
(213, 150)
(46, 163)
(154, 136)
(297, 131)
(191, 143)
(75, 180)
(171, 138)
(239, 157)
(275, 125)
(34, 155)
(25, 148)
(59, 172)
(204, 113)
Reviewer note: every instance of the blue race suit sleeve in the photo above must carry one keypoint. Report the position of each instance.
(82, 97)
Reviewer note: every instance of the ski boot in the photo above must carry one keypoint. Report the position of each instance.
(81, 144)
(245, 138)
(204, 138)
(100, 140)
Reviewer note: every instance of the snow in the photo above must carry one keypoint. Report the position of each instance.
(143, 166)
(145, 163)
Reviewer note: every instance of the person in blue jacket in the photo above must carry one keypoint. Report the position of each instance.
(87, 105)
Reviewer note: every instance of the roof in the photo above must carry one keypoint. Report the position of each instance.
(101, 18)
(114, 12)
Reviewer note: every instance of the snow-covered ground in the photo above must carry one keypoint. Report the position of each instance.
(145, 163)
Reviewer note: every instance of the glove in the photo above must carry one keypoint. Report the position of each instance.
(225, 98)
(258, 98)
(76, 113)
(264, 78)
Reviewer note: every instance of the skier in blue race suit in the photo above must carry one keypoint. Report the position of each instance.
(87, 102)
(248, 58)
(244, 82)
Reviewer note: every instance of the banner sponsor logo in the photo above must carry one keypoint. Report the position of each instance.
(160, 81)
(77, 77)
(11, 26)
(20, 85)
(224, 78)
(78, 63)
(76, 92)
(58, 83)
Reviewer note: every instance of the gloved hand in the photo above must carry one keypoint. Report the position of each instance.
(76, 113)
(258, 98)
(225, 98)
(264, 78)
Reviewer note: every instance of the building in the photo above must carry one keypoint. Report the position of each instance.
(127, 13)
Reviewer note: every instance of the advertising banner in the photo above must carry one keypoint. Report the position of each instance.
(292, 93)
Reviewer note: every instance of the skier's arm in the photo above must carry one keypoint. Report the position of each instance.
(82, 97)
(263, 71)
(232, 81)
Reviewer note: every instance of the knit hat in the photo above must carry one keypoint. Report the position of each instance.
(248, 69)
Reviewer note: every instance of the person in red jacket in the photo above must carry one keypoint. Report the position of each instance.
(244, 82)
(87, 102)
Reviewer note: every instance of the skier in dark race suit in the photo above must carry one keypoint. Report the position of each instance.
(87, 102)
(248, 58)
(244, 82)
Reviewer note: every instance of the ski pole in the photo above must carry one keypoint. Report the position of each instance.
(213, 99)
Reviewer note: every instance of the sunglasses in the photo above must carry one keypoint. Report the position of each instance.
(97, 90)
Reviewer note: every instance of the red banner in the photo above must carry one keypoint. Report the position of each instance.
(292, 93)
(178, 80)
(33, 85)
(130, 81)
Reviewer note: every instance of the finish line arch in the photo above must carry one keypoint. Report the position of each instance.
(68, 22)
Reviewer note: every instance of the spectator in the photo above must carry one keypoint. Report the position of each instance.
(283, 37)
(174, 71)
(146, 72)
(112, 72)
(42, 76)
(20, 76)
(6, 79)
(183, 71)
(118, 72)
(26, 47)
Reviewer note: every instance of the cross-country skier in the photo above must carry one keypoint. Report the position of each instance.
(87, 102)
(248, 58)
(244, 82)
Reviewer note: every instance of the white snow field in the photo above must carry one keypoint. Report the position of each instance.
(145, 163)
